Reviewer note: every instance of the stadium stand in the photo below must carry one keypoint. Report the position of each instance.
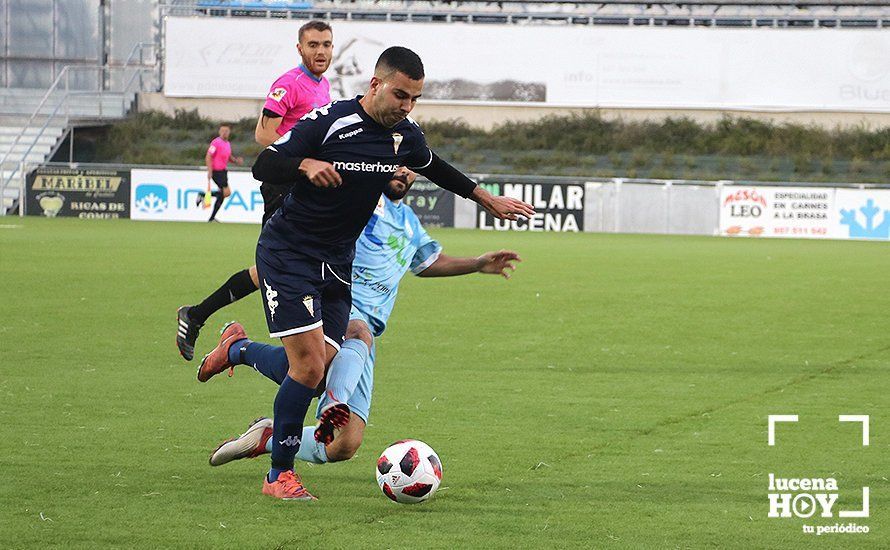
(702, 13)
(55, 77)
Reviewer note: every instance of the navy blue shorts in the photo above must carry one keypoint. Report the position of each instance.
(301, 294)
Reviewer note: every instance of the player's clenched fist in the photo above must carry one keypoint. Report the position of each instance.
(320, 173)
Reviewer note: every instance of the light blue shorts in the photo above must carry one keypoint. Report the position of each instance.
(360, 400)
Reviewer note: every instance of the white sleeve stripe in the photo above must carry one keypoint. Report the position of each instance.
(428, 262)
(425, 165)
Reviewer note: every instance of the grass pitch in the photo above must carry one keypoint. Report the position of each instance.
(613, 394)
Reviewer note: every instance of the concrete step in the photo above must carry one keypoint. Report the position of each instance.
(32, 130)
(111, 105)
(22, 92)
(75, 98)
(20, 121)
(42, 149)
(9, 194)
(34, 157)
(6, 141)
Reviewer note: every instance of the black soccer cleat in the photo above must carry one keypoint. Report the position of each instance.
(186, 333)
(332, 417)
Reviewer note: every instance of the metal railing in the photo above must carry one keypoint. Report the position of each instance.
(131, 74)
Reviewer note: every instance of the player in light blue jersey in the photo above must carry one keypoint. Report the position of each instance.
(392, 243)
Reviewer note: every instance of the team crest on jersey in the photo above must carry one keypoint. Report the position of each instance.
(381, 207)
(396, 142)
(307, 301)
(277, 94)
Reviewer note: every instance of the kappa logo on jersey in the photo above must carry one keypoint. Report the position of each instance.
(277, 94)
(307, 301)
(291, 441)
(396, 143)
(271, 302)
(352, 133)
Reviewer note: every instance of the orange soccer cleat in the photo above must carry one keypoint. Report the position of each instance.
(218, 359)
(287, 487)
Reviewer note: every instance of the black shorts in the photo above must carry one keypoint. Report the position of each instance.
(273, 197)
(220, 178)
(301, 294)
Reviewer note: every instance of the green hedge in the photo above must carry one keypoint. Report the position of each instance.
(578, 144)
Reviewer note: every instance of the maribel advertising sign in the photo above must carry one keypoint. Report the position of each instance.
(558, 206)
(78, 193)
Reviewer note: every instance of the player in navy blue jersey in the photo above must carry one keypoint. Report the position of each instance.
(344, 156)
(393, 243)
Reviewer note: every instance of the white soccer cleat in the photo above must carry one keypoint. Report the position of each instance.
(250, 444)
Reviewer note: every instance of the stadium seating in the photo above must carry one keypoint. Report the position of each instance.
(717, 13)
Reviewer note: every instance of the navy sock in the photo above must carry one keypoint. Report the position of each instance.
(291, 405)
(218, 204)
(235, 350)
(270, 361)
(238, 286)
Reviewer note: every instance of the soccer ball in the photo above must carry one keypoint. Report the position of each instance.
(409, 471)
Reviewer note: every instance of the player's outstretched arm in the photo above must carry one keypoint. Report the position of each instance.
(274, 167)
(495, 263)
(505, 208)
(450, 178)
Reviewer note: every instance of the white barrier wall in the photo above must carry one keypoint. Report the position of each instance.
(571, 205)
(171, 195)
(644, 67)
(805, 212)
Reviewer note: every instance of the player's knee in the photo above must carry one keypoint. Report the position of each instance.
(306, 367)
(343, 448)
(308, 374)
(226, 191)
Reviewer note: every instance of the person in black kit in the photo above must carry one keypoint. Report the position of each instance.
(345, 155)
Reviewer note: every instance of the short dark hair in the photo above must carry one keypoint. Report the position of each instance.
(319, 26)
(402, 60)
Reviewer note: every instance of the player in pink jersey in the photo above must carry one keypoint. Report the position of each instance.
(291, 96)
(217, 161)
